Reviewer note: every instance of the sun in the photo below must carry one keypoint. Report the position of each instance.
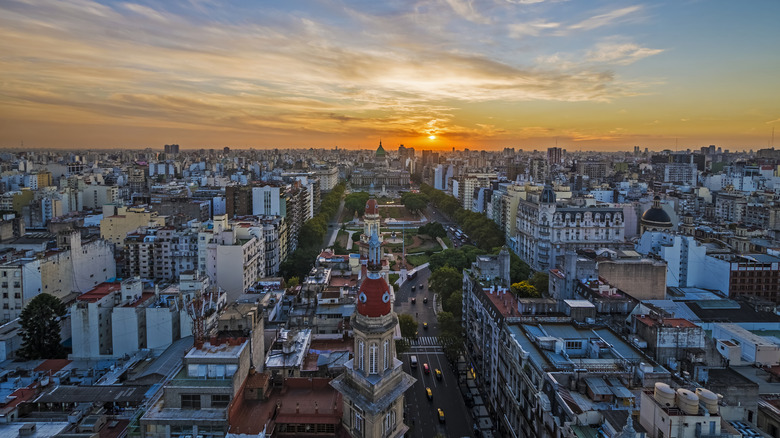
(432, 137)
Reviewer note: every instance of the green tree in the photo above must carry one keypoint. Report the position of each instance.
(525, 289)
(356, 202)
(414, 202)
(449, 257)
(518, 269)
(450, 335)
(454, 304)
(40, 321)
(408, 325)
(433, 229)
(293, 281)
(444, 281)
(540, 281)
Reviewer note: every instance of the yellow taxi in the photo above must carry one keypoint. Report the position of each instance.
(441, 415)
(438, 374)
(429, 393)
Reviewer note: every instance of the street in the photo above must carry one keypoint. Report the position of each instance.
(422, 415)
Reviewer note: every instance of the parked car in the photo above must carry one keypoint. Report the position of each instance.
(425, 300)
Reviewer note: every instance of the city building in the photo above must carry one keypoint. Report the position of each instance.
(374, 382)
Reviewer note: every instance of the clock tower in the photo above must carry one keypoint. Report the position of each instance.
(374, 382)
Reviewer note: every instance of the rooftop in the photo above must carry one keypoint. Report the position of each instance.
(300, 400)
(99, 292)
(667, 322)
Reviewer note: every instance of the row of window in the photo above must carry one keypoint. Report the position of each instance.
(373, 351)
(192, 401)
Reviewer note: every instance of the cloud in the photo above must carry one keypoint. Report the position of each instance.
(605, 19)
(534, 28)
(84, 62)
(465, 8)
(620, 53)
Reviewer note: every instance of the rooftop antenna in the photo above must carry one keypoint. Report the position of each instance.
(772, 145)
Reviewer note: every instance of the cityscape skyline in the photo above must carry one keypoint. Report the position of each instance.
(526, 74)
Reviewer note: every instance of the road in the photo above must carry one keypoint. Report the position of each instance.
(422, 416)
(333, 226)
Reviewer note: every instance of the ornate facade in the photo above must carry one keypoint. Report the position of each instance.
(546, 231)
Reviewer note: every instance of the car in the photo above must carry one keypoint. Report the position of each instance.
(425, 300)
(425, 325)
(413, 287)
(438, 374)
(441, 415)
(413, 361)
(426, 368)
(414, 300)
(429, 393)
(422, 286)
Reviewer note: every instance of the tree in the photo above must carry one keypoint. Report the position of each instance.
(414, 202)
(449, 257)
(525, 289)
(541, 281)
(454, 304)
(450, 335)
(433, 229)
(408, 325)
(40, 321)
(356, 202)
(293, 281)
(518, 269)
(444, 281)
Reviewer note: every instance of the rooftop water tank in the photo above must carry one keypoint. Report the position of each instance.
(687, 401)
(664, 394)
(709, 399)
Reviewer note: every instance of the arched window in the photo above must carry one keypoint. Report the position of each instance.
(387, 354)
(372, 358)
(361, 355)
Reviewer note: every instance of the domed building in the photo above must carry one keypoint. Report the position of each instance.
(374, 382)
(655, 218)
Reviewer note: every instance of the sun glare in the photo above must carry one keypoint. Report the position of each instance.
(432, 137)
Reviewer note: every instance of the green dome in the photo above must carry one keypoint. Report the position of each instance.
(380, 151)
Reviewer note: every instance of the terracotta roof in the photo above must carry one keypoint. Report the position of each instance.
(371, 207)
(52, 365)
(99, 292)
(374, 298)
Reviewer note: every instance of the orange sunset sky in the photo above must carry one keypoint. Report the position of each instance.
(486, 74)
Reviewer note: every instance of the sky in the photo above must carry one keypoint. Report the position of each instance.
(489, 74)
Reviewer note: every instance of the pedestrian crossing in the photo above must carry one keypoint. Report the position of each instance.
(423, 341)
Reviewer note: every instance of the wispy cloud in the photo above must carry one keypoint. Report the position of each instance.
(620, 53)
(601, 20)
(534, 28)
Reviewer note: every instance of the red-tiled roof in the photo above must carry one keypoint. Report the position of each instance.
(52, 365)
(99, 292)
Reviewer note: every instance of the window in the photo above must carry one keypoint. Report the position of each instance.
(388, 423)
(220, 400)
(372, 358)
(361, 356)
(357, 420)
(573, 345)
(190, 401)
(387, 354)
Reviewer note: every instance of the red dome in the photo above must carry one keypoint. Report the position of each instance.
(371, 207)
(374, 298)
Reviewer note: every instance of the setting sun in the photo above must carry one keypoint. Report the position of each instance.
(432, 137)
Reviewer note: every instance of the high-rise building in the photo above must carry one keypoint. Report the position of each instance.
(555, 155)
(374, 381)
